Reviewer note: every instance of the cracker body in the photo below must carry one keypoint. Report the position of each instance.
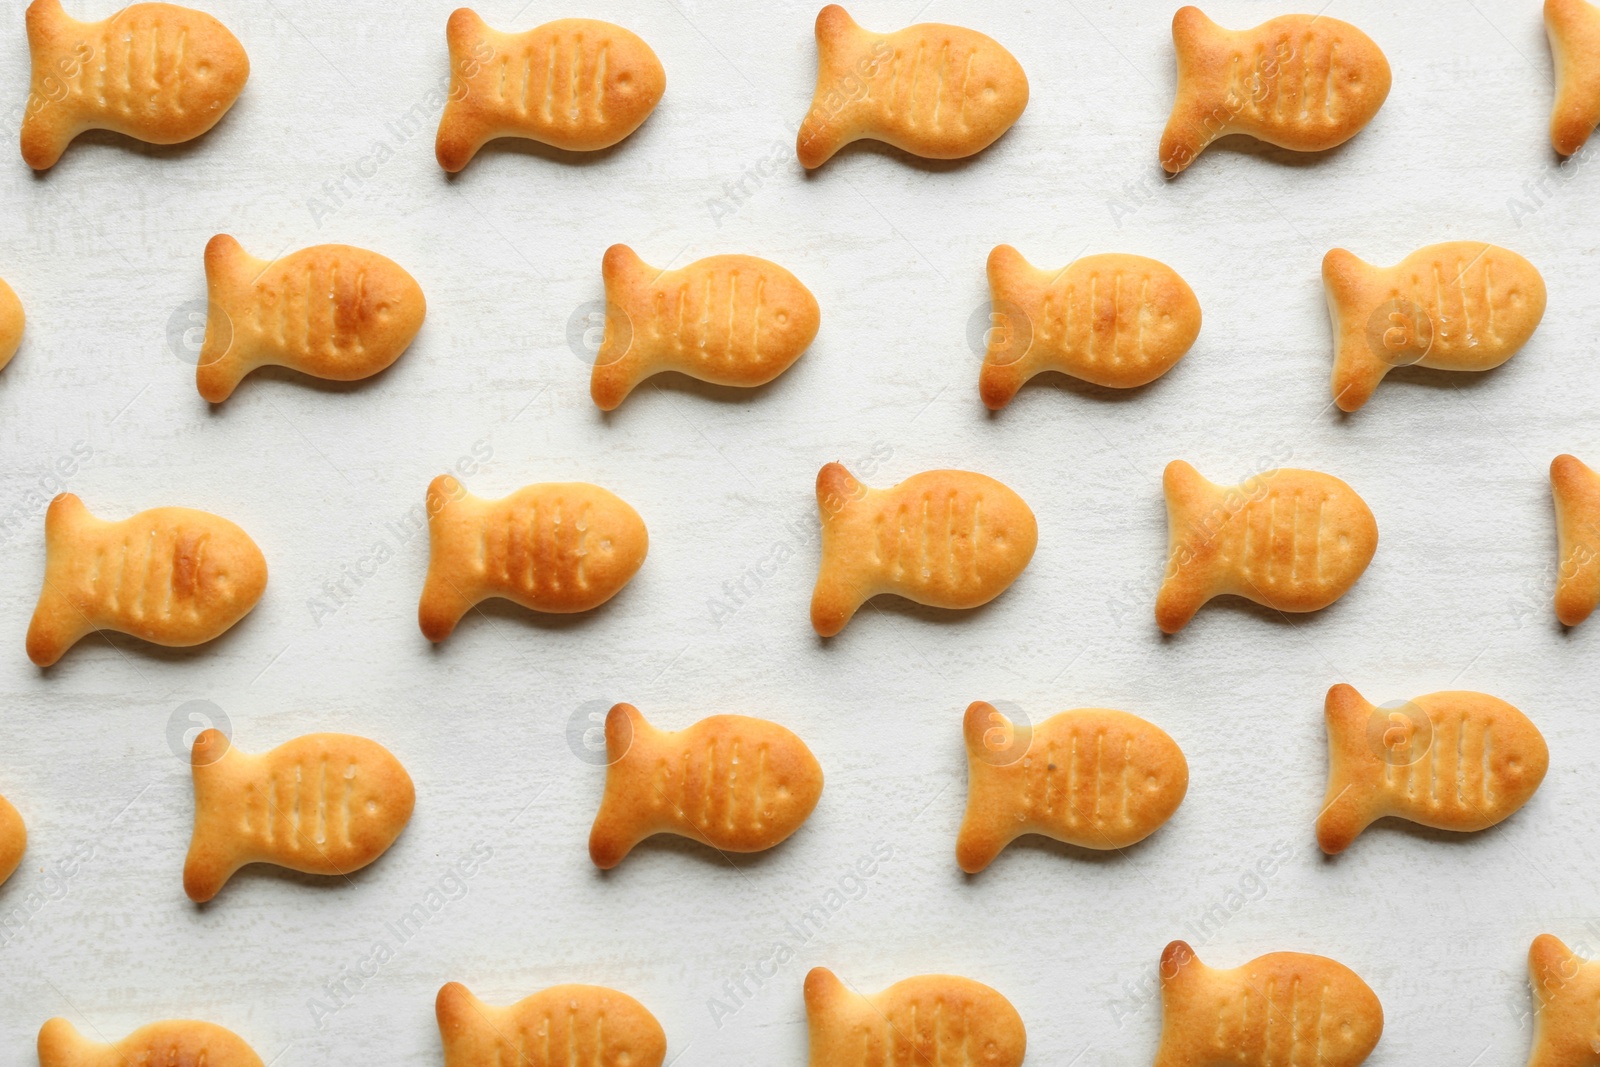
(331, 311)
(948, 539)
(560, 547)
(1291, 540)
(932, 1019)
(180, 1042)
(1576, 489)
(1461, 306)
(1094, 777)
(1566, 988)
(1307, 83)
(1114, 320)
(1453, 761)
(1573, 27)
(13, 839)
(555, 1027)
(155, 72)
(733, 782)
(320, 804)
(170, 576)
(730, 320)
(577, 84)
(11, 321)
(1281, 1008)
(937, 91)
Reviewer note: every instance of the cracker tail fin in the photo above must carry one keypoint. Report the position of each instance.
(58, 623)
(1192, 520)
(1008, 359)
(992, 740)
(462, 129)
(1346, 806)
(617, 366)
(1179, 972)
(60, 1045)
(1198, 117)
(1551, 965)
(1576, 110)
(824, 130)
(839, 590)
(49, 125)
(462, 1018)
(1357, 368)
(617, 827)
(211, 860)
(224, 361)
(823, 993)
(1576, 490)
(450, 590)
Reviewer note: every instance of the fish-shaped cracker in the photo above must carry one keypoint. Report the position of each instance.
(13, 838)
(563, 1026)
(948, 539)
(1453, 761)
(319, 804)
(559, 547)
(11, 321)
(932, 1019)
(155, 72)
(937, 91)
(575, 84)
(331, 311)
(1094, 777)
(1114, 320)
(1291, 540)
(1279, 1009)
(1573, 27)
(1566, 988)
(169, 1043)
(1302, 82)
(733, 782)
(1461, 306)
(1576, 489)
(171, 576)
(729, 320)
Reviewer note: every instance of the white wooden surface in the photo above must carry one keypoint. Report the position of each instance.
(105, 252)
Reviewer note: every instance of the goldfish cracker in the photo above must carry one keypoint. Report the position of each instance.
(1281, 1008)
(1576, 489)
(320, 804)
(331, 311)
(171, 1042)
(155, 72)
(1573, 27)
(729, 320)
(171, 576)
(13, 839)
(1291, 540)
(11, 320)
(1093, 777)
(732, 782)
(1566, 988)
(942, 92)
(948, 539)
(1453, 761)
(929, 1019)
(1115, 320)
(575, 84)
(555, 1027)
(558, 547)
(1460, 306)
(1307, 83)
